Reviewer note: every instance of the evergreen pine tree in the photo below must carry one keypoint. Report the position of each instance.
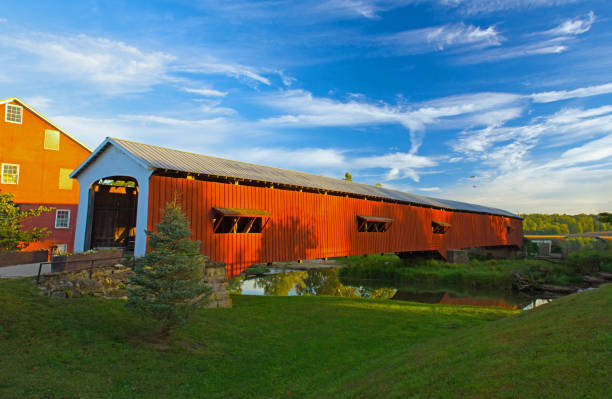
(168, 282)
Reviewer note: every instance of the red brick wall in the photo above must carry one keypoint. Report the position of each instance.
(47, 219)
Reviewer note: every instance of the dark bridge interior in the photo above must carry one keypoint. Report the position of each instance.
(112, 217)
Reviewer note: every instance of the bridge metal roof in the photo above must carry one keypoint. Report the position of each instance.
(181, 161)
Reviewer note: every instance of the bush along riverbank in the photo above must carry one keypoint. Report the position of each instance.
(581, 269)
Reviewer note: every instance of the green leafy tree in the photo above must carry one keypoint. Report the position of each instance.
(13, 236)
(168, 282)
(565, 224)
(378, 184)
(348, 176)
(605, 217)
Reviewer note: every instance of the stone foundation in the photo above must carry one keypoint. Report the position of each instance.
(112, 282)
(216, 276)
(107, 282)
(457, 256)
(500, 252)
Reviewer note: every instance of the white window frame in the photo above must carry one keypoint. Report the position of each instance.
(60, 249)
(6, 108)
(57, 212)
(2, 181)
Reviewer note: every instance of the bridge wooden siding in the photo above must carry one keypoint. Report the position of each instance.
(306, 225)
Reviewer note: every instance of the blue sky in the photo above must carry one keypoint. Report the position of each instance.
(506, 103)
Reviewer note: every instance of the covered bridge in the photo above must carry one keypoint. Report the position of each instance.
(245, 214)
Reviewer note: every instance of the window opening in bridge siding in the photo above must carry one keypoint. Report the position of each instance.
(373, 224)
(239, 221)
(440, 227)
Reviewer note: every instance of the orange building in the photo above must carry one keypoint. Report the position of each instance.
(36, 159)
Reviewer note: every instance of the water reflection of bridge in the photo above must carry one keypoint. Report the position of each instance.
(448, 298)
(326, 282)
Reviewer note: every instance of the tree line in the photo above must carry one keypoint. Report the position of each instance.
(537, 223)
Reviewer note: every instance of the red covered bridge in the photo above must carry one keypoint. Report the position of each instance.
(245, 214)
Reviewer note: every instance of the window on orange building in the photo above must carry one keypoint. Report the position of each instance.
(60, 249)
(13, 113)
(10, 173)
(52, 140)
(65, 182)
(62, 218)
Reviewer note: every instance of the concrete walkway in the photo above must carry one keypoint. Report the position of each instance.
(27, 270)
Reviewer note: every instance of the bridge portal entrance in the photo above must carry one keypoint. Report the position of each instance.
(112, 218)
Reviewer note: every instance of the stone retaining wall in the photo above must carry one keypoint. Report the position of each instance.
(112, 282)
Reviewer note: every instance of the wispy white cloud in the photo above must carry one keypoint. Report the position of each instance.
(497, 117)
(40, 103)
(573, 115)
(438, 38)
(492, 144)
(335, 162)
(205, 92)
(575, 26)
(286, 79)
(575, 189)
(361, 8)
(290, 158)
(302, 109)
(551, 96)
(113, 66)
(172, 121)
(596, 150)
(515, 162)
(555, 44)
(209, 65)
(552, 46)
(372, 9)
(399, 165)
(489, 6)
(195, 135)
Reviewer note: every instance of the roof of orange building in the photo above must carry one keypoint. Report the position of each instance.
(41, 116)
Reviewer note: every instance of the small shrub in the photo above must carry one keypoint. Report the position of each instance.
(590, 261)
(257, 270)
(556, 248)
(530, 247)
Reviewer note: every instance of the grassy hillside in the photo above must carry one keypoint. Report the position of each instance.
(302, 347)
(561, 350)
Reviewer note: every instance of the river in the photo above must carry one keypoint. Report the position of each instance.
(284, 282)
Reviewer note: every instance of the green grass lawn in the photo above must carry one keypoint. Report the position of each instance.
(303, 347)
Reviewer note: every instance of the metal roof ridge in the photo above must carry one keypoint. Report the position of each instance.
(427, 201)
